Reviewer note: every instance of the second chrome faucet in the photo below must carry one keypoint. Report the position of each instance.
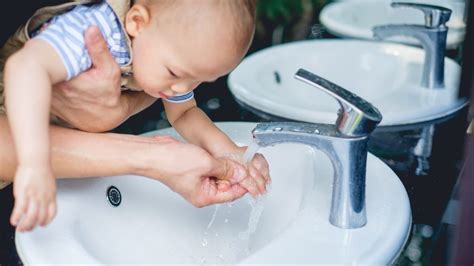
(432, 37)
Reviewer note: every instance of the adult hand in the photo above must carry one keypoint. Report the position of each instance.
(193, 173)
(93, 101)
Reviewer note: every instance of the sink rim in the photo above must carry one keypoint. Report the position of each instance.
(379, 128)
(243, 92)
(238, 126)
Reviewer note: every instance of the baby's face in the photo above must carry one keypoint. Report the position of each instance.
(171, 59)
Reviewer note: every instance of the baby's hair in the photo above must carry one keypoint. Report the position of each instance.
(242, 14)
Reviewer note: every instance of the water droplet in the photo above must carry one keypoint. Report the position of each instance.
(213, 217)
(204, 242)
(226, 220)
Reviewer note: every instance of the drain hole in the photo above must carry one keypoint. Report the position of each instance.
(113, 196)
(277, 77)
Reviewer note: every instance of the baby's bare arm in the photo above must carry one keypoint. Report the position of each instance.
(29, 76)
(196, 127)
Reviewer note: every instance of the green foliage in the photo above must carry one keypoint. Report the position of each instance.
(284, 11)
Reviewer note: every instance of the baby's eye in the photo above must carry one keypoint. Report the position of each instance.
(172, 73)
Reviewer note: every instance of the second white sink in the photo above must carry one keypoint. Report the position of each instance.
(355, 19)
(387, 75)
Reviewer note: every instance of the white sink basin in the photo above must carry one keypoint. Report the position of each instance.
(385, 74)
(355, 19)
(154, 225)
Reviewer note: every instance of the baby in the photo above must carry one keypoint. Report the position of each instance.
(174, 45)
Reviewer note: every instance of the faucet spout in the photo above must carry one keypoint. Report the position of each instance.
(348, 156)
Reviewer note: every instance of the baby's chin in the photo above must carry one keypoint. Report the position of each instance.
(154, 94)
(143, 84)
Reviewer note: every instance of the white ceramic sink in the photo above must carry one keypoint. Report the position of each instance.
(154, 225)
(387, 75)
(355, 19)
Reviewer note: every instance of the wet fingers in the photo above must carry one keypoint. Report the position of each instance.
(258, 179)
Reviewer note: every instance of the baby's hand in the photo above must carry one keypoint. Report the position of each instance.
(259, 175)
(34, 189)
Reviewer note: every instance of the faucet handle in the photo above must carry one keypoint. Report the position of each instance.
(357, 117)
(435, 16)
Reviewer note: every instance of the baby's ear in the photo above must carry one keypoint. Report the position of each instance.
(136, 19)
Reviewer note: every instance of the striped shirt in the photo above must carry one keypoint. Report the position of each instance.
(65, 33)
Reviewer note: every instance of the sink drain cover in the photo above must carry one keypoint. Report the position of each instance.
(114, 196)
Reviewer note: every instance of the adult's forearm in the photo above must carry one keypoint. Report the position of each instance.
(75, 153)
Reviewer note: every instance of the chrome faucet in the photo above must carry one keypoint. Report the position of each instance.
(345, 143)
(432, 36)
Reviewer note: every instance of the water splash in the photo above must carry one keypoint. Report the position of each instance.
(204, 242)
(257, 206)
(238, 245)
(213, 218)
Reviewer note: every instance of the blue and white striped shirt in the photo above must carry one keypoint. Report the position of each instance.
(65, 33)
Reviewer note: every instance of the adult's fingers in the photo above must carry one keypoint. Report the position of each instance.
(223, 185)
(226, 169)
(97, 48)
(233, 193)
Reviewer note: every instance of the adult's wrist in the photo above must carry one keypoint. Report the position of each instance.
(143, 160)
